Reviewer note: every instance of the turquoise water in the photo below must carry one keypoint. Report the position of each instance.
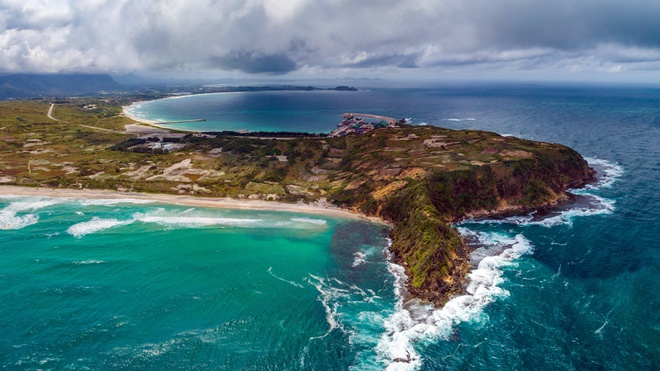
(100, 284)
(103, 285)
(316, 111)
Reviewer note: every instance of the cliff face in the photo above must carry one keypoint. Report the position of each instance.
(483, 174)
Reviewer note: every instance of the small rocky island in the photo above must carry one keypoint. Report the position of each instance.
(420, 179)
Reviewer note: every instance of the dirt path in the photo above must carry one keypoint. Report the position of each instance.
(50, 112)
(50, 116)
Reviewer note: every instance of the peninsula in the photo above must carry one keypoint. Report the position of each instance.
(419, 179)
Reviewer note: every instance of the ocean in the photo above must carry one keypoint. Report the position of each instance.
(106, 284)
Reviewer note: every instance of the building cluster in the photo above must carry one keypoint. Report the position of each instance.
(353, 124)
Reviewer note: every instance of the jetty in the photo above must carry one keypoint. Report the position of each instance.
(389, 120)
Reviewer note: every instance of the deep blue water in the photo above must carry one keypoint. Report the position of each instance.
(576, 289)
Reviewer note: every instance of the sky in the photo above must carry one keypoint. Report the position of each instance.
(608, 40)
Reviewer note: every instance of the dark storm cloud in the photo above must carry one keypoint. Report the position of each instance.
(255, 63)
(276, 37)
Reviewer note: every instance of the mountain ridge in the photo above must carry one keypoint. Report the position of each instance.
(22, 85)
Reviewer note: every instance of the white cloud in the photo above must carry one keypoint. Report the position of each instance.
(321, 36)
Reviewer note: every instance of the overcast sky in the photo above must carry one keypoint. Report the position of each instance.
(434, 39)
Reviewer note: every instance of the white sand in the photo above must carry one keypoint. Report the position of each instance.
(222, 203)
(138, 119)
(154, 126)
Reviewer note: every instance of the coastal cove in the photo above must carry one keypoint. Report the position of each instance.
(143, 283)
(421, 180)
(308, 111)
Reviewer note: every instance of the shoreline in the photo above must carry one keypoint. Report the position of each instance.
(152, 123)
(217, 203)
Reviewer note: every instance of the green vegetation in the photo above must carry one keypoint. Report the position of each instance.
(421, 179)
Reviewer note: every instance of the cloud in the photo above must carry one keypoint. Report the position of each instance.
(255, 62)
(278, 37)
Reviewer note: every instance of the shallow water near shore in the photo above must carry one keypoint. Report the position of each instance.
(106, 284)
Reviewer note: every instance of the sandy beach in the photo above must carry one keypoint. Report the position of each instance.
(153, 125)
(138, 119)
(221, 203)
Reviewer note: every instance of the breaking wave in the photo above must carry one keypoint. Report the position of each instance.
(190, 219)
(15, 215)
(97, 224)
(414, 322)
(607, 173)
(459, 120)
(112, 202)
(310, 220)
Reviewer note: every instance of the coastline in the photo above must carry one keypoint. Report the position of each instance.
(152, 123)
(124, 110)
(218, 203)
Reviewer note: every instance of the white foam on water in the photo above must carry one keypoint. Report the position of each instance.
(88, 262)
(12, 217)
(191, 218)
(112, 202)
(327, 294)
(359, 259)
(459, 119)
(416, 322)
(270, 271)
(10, 221)
(49, 235)
(97, 224)
(589, 205)
(596, 206)
(310, 220)
(394, 348)
(195, 222)
(607, 172)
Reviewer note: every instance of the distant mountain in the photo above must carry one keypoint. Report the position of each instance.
(134, 80)
(30, 86)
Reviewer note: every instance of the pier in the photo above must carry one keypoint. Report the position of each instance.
(389, 120)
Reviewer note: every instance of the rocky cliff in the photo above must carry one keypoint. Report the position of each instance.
(423, 179)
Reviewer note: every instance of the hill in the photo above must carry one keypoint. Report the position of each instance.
(33, 85)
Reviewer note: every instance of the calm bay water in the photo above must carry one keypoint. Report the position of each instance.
(102, 285)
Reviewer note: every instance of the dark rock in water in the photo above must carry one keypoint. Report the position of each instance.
(408, 359)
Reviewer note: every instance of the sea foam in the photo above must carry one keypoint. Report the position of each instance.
(587, 203)
(310, 220)
(97, 224)
(190, 218)
(607, 173)
(414, 322)
(12, 217)
(112, 202)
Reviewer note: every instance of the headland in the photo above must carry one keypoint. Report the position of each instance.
(418, 179)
